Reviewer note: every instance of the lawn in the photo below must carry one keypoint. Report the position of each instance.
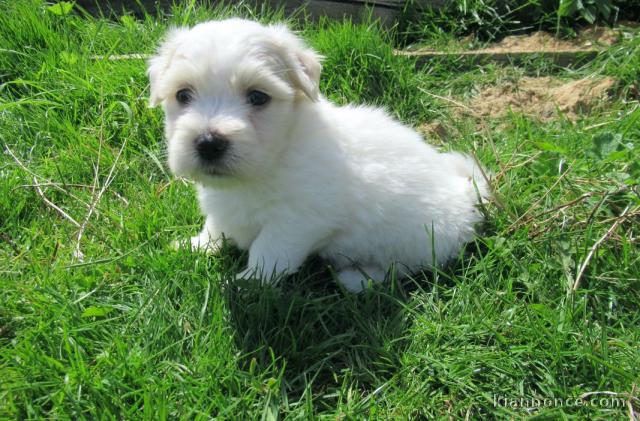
(101, 318)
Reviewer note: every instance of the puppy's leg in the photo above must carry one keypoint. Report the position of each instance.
(280, 249)
(209, 240)
(354, 280)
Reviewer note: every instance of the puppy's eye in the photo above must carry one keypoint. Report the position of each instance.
(257, 98)
(184, 96)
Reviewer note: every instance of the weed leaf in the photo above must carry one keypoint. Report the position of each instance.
(60, 9)
(96, 311)
(605, 144)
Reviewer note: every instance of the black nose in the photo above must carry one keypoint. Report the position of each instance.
(211, 146)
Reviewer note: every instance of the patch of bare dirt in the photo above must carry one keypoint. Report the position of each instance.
(588, 39)
(542, 97)
(544, 41)
(434, 130)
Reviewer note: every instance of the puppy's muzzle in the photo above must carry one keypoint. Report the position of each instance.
(211, 146)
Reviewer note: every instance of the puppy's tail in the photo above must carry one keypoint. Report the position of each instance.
(467, 166)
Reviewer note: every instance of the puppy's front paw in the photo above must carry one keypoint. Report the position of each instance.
(198, 243)
(355, 281)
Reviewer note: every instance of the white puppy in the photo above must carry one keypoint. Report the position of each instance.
(284, 173)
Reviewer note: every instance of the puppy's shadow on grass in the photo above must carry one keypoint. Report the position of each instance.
(317, 330)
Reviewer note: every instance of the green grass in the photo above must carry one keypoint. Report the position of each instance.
(139, 330)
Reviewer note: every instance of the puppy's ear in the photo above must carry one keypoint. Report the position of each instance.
(303, 64)
(158, 64)
(307, 74)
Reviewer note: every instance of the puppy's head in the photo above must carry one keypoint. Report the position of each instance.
(230, 90)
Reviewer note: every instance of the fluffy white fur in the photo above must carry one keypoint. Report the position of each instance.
(302, 175)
